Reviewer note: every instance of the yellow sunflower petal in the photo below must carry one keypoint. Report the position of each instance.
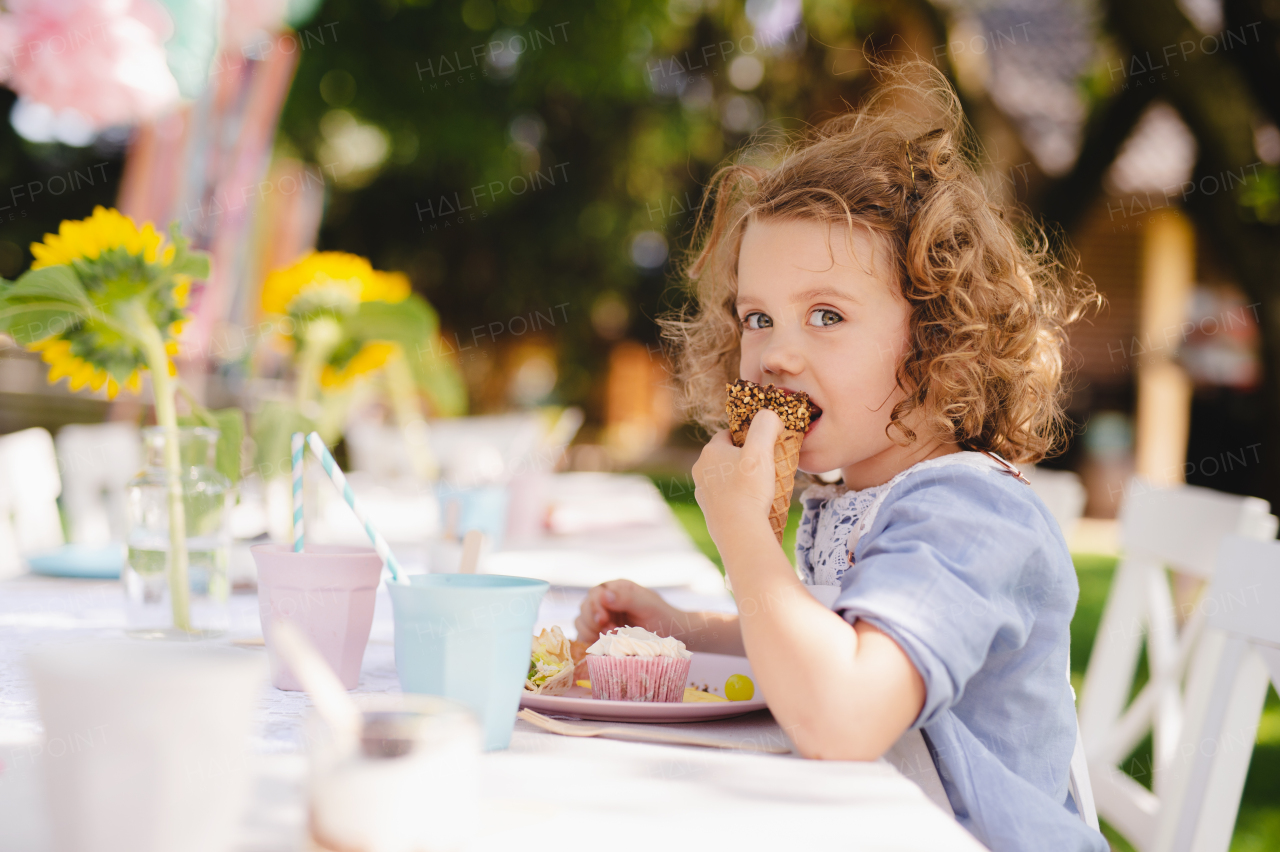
(60, 369)
(98, 379)
(181, 290)
(134, 382)
(388, 287)
(87, 238)
(173, 369)
(372, 356)
(113, 388)
(53, 348)
(81, 373)
(330, 378)
(171, 347)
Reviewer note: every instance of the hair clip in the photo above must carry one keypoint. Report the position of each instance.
(1008, 468)
(913, 197)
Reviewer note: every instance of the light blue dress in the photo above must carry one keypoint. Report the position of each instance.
(964, 567)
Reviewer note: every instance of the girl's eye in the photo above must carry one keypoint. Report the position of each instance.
(824, 317)
(756, 320)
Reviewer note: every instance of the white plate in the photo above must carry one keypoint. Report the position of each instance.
(709, 670)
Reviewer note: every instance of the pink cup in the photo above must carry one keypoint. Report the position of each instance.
(328, 592)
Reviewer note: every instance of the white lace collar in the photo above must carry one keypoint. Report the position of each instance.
(836, 517)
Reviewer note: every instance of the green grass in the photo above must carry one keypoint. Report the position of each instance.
(1258, 825)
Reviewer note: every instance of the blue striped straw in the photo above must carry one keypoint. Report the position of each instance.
(340, 480)
(299, 539)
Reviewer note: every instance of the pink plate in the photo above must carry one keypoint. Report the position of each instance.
(705, 670)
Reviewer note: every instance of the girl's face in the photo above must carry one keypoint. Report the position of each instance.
(818, 319)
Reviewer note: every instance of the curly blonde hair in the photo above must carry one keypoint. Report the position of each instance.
(989, 303)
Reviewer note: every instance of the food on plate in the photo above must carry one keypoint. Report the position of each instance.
(697, 696)
(797, 413)
(585, 684)
(578, 650)
(739, 688)
(632, 664)
(550, 664)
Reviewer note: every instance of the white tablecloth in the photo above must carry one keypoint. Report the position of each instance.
(606, 793)
(545, 791)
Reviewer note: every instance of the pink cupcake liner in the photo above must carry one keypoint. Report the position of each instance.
(637, 678)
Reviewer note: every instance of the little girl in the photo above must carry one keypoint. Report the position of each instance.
(871, 269)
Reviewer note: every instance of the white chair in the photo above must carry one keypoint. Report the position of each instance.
(1062, 492)
(29, 487)
(10, 555)
(1235, 659)
(97, 461)
(1160, 529)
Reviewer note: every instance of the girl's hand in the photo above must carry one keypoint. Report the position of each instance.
(622, 603)
(734, 486)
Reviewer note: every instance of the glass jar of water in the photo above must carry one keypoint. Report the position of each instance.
(205, 496)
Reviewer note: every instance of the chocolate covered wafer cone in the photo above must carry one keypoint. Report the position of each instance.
(786, 459)
(745, 399)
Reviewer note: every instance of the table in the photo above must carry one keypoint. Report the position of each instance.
(545, 791)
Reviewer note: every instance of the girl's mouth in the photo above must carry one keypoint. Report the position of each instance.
(815, 412)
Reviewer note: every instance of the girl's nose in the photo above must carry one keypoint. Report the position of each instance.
(781, 355)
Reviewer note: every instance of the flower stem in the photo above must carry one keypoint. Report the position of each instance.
(404, 401)
(319, 338)
(162, 389)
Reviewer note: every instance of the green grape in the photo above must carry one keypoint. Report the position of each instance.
(739, 688)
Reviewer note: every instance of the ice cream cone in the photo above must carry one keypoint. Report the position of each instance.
(786, 459)
(795, 410)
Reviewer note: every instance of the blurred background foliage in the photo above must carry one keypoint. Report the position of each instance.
(539, 164)
(623, 109)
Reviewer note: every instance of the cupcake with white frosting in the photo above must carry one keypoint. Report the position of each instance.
(632, 664)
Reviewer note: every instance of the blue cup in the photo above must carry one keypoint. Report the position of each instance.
(481, 508)
(468, 637)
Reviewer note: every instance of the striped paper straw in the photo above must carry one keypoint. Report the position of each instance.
(340, 480)
(299, 539)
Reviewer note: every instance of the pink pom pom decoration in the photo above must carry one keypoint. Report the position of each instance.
(104, 59)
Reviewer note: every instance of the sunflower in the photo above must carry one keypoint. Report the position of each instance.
(322, 295)
(330, 282)
(103, 300)
(119, 268)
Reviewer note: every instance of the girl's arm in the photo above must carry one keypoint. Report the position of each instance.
(839, 691)
(619, 603)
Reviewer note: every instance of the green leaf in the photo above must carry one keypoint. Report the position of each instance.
(441, 381)
(42, 303)
(273, 427)
(196, 265)
(410, 322)
(59, 283)
(413, 324)
(230, 425)
(185, 261)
